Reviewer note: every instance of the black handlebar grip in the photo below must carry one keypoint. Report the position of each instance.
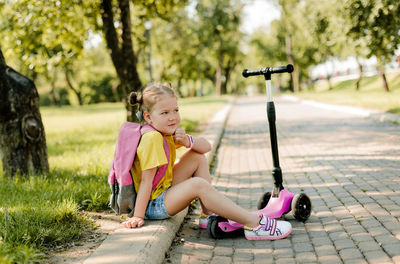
(268, 70)
(288, 68)
(246, 73)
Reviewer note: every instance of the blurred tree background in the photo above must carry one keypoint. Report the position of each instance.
(86, 51)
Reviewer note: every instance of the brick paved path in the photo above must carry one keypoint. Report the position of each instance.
(348, 165)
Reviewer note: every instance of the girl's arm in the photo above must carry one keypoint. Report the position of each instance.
(142, 199)
(199, 144)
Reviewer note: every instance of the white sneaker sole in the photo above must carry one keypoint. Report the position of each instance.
(248, 237)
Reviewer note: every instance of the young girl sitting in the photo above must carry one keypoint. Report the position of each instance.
(188, 178)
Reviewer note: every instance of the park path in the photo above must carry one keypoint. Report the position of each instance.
(349, 166)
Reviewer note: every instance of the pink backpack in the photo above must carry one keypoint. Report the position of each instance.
(123, 195)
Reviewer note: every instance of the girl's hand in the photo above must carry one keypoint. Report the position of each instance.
(134, 222)
(181, 138)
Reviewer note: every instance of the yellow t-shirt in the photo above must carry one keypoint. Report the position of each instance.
(150, 154)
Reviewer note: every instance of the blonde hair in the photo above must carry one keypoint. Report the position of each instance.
(150, 95)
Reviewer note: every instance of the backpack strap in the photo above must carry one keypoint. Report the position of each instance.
(160, 170)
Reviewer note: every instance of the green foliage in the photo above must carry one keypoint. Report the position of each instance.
(377, 22)
(101, 89)
(45, 34)
(193, 44)
(218, 27)
(63, 99)
(211, 38)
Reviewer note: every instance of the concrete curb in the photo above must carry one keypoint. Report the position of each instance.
(149, 244)
(373, 114)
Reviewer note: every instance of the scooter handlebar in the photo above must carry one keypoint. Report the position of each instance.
(268, 70)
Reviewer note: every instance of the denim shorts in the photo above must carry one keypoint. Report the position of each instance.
(156, 208)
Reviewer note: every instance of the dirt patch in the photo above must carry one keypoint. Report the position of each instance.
(78, 252)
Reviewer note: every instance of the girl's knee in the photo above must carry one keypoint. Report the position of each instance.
(201, 158)
(196, 155)
(199, 184)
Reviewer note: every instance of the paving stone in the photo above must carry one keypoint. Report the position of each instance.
(355, 261)
(242, 256)
(221, 260)
(262, 258)
(319, 241)
(223, 251)
(300, 238)
(386, 239)
(370, 245)
(344, 243)
(329, 259)
(285, 260)
(360, 237)
(303, 247)
(378, 231)
(338, 235)
(283, 252)
(392, 249)
(350, 253)
(377, 256)
(306, 257)
(282, 243)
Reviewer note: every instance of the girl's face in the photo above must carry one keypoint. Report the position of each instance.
(164, 115)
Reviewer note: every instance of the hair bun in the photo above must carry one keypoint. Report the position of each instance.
(168, 84)
(134, 98)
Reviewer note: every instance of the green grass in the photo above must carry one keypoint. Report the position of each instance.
(43, 212)
(371, 94)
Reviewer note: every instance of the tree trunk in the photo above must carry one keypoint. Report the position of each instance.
(77, 92)
(114, 88)
(277, 81)
(227, 73)
(383, 76)
(22, 137)
(295, 73)
(328, 78)
(218, 75)
(179, 86)
(53, 97)
(360, 74)
(121, 50)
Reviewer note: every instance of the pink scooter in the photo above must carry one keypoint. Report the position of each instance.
(280, 201)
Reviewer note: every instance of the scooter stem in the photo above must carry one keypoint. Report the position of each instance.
(276, 172)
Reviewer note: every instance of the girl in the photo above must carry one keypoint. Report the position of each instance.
(188, 178)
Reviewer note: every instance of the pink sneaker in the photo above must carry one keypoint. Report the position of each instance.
(268, 229)
(203, 220)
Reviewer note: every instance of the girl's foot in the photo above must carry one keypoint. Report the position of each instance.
(268, 229)
(203, 220)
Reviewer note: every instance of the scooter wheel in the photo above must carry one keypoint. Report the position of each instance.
(263, 200)
(215, 231)
(301, 207)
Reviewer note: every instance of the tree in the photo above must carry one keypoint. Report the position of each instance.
(289, 39)
(172, 62)
(218, 27)
(47, 35)
(267, 48)
(22, 135)
(120, 42)
(378, 24)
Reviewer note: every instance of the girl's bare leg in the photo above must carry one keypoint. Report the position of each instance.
(179, 196)
(192, 164)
